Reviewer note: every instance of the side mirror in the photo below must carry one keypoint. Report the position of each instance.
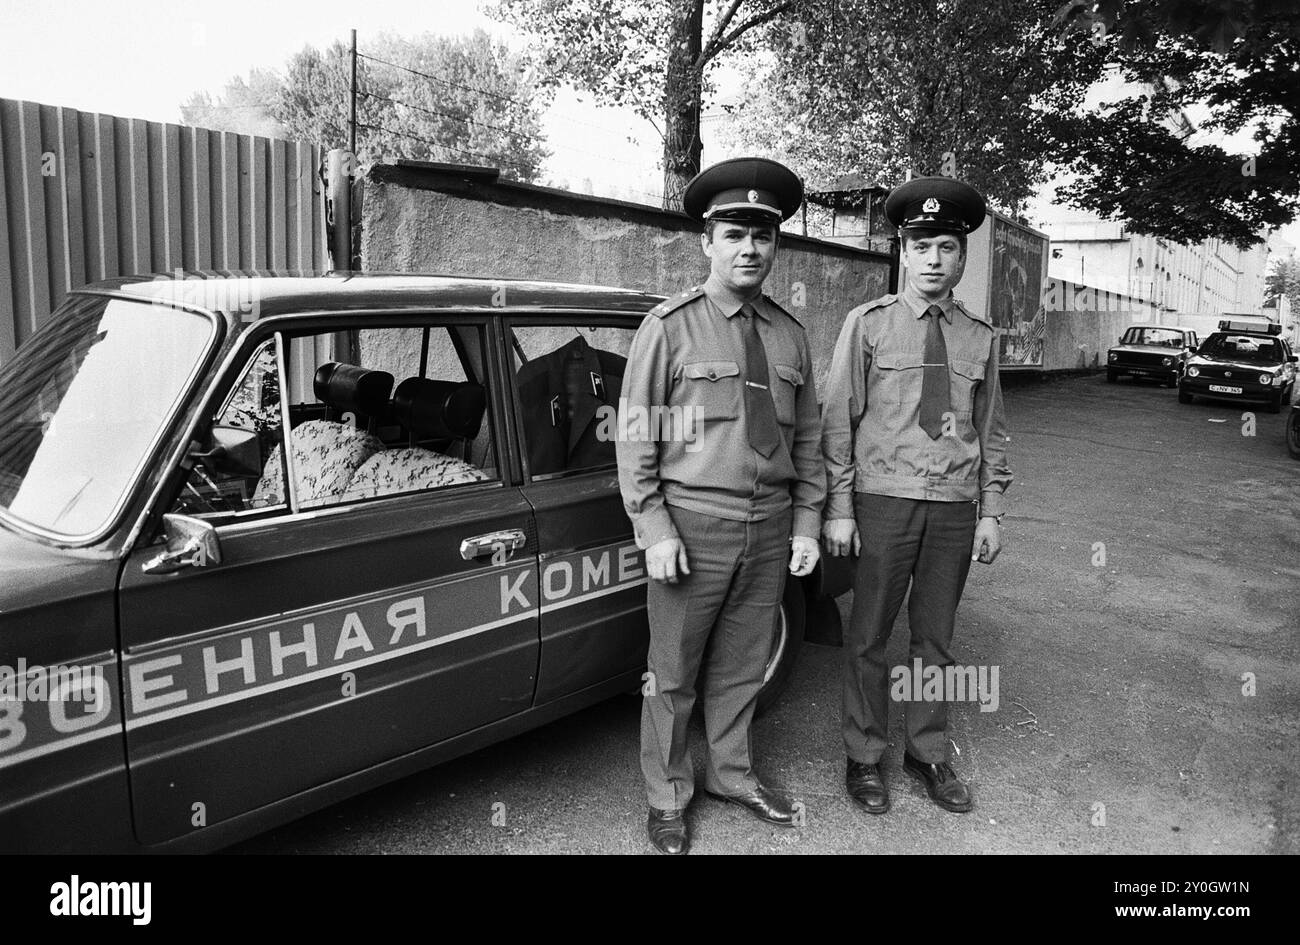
(230, 453)
(1295, 358)
(191, 543)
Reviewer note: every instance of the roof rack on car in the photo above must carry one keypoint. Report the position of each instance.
(1228, 324)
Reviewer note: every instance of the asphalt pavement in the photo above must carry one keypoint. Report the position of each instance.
(1144, 618)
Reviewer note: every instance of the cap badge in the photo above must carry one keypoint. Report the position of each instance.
(930, 206)
(753, 196)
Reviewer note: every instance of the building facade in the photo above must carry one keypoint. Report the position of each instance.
(1207, 279)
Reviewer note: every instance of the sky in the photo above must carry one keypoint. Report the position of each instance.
(143, 58)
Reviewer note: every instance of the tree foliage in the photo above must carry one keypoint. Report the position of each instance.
(1235, 61)
(967, 88)
(1284, 280)
(244, 106)
(654, 56)
(463, 100)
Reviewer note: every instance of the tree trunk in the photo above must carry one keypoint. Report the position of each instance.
(682, 144)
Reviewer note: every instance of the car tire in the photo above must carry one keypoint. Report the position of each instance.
(1183, 396)
(1274, 405)
(1293, 434)
(1173, 380)
(1111, 377)
(786, 643)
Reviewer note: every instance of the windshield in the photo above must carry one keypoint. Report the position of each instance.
(81, 404)
(1161, 337)
(1242, 348)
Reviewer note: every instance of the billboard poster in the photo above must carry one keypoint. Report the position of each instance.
(1018, 264)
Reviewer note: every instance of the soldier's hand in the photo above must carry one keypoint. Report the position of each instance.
(841, 535)
(988, 541)
(665, 561)
(804, 554)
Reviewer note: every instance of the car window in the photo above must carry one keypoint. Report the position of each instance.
(1160, 337)
(1250, 348)
(250, 416)
(568, 379)
(84, 403)
(373, 413)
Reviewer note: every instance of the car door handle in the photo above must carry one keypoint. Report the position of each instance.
(506, 542)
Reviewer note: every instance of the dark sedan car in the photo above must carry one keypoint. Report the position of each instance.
(269, 542)
(1242, 363)
(1154, 352)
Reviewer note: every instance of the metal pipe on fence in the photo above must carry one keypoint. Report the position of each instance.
(338, 206)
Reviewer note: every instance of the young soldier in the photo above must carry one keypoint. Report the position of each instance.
(915, 446)
(723, 517)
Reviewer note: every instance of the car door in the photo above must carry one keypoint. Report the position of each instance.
(367, 602)
(566, 378)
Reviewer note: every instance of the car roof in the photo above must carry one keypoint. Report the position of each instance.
(1165, 327)
(281, 292)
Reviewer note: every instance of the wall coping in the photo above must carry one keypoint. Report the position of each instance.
(483, 184)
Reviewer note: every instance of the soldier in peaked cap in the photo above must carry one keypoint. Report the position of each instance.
(914, 440)
(722, 517)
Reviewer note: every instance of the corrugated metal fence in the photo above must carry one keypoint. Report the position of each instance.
(85, 196)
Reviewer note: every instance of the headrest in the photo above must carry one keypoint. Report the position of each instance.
(440, 409)
(348, 387)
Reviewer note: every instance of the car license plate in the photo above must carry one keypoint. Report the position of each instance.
(1220, 389)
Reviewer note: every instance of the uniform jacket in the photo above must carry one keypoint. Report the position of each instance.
(689, 355)
(561, 394)
(871, 438)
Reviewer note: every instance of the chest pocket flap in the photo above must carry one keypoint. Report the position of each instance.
(712, 388)
(712, 370)
(898, 360)
(787, 373)
(972, 370)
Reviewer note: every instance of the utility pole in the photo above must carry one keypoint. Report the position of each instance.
(352, 112)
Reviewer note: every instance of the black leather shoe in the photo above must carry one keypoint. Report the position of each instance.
(867, 788)
(942, 784)
(667, 830)
(763, 804)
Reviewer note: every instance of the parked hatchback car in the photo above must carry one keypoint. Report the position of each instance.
(1242, 363)
(1155, 352)
(267, 542)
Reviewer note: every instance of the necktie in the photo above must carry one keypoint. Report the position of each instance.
(760, 413)
(934, 383)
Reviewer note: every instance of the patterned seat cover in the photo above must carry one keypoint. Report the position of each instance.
(325, 456)
(410, 469)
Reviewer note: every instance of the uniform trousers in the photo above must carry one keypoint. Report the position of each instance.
(925, 544)
(717, 623)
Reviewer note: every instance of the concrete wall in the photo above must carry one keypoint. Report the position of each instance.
(1084, 323)
(416, 219)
